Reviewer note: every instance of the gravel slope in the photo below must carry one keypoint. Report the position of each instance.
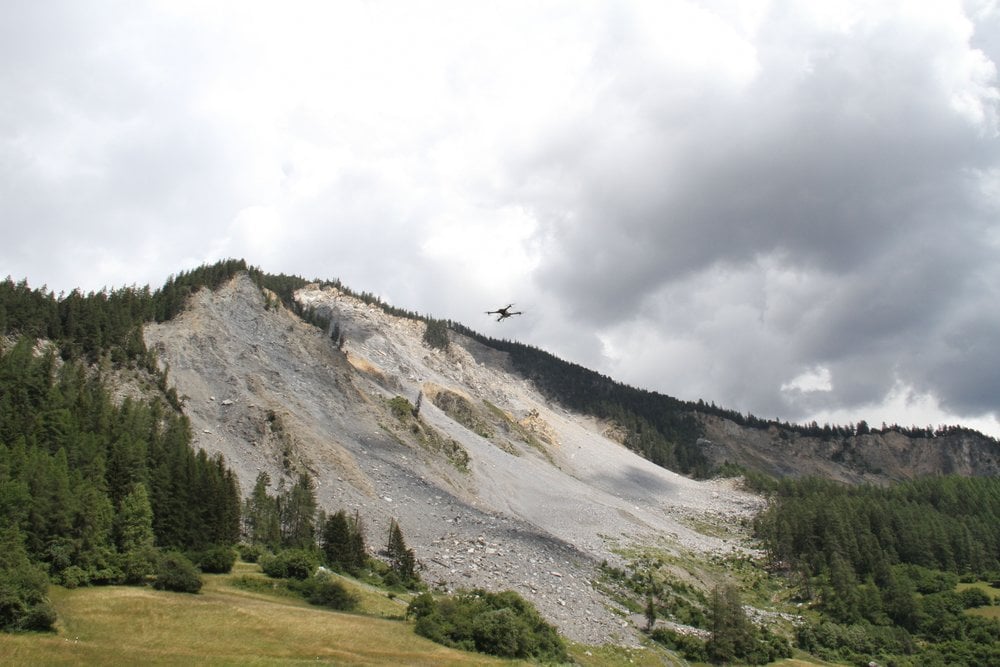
(274, 394)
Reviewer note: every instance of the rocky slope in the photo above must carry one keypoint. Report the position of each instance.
(492, 485)
(875, 458)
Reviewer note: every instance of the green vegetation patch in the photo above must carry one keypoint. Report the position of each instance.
(462, 410)
(879, 567)
(610, 655)
(501, 624)
(428, 437)
(223, 625)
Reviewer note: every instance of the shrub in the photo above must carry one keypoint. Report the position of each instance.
(502, 624)
(401, 408)
(23, 605)
(290, 564)
(421, 606)
(689, 646)
(216, 560)
(325, 591)
(250, 553)
(176, 573)
(975, 597)
(74, 576)
(23, 587)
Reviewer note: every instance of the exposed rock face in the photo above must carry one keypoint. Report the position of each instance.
(873, 457)
(544, 498)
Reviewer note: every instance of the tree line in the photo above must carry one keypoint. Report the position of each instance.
(882, 566)
(95, 490)
(291, 537)
(88, 486)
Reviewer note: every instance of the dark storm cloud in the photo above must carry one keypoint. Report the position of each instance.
(863, 159)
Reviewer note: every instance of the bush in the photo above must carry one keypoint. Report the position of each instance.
(216, 560)
(23, 587)
(421, 606)
(136, 565)
(500, 624)
(975, 597)
(689, 646)
(401, 408)
(250, 553)
(74, 576)
(853, 643)
(23, 605)
(290, 564)
(325, 591)
(176, 573)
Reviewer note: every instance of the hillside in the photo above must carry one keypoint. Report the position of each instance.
(131, 419)
(875, 457)
(545, 495)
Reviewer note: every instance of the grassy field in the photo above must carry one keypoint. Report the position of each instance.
(263, 624)
(233, 623)
(223, 625)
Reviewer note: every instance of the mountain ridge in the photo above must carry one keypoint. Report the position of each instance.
(506, 467)
(495, 482)
(272, 393)
(504, 473)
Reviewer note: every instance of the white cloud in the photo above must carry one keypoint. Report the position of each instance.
(812, 380)
(735, 201)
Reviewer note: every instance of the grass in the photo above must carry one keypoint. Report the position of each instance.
(614, 656)
(223, 625)
(986, 612)
(991, 611)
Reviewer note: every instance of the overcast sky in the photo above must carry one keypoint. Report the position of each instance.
(787, 208)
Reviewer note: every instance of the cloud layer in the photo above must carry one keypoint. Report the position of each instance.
(791, 209)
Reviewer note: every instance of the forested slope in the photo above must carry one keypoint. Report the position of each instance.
(883, 566)
(90, 486)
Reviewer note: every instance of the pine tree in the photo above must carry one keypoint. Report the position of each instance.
(436, 334)
(135, 535)
(358, 548)
(335, 540)
(401, 559)
(297, 509)
(733, 635)
(650, 612)
(92, 535)
(260, 515)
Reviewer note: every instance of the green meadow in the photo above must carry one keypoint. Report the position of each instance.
(245, 618)
(224, 624)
